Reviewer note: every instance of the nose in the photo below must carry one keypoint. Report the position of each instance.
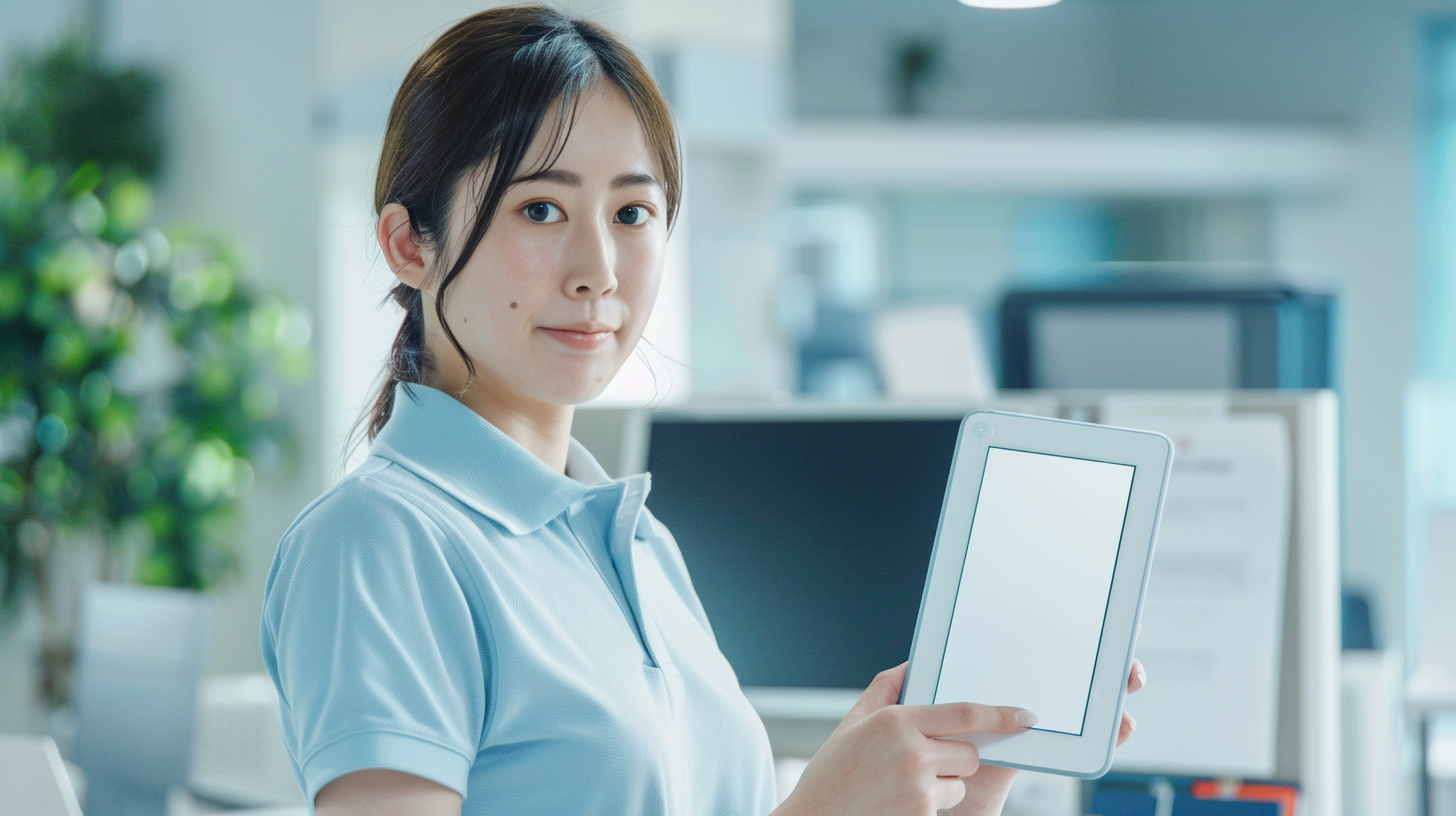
(590, 261)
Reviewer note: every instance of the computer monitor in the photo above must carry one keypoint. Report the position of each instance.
(807, 532)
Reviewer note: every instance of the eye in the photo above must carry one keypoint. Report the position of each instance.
(633, 215)
(543, 212)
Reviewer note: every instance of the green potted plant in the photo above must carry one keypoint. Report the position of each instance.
(139, 372)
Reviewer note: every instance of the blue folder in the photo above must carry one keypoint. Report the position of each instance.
(1133, 803)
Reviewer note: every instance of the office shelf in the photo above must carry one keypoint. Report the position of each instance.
(1095, 158)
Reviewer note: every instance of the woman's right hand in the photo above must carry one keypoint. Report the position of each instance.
(885, 758)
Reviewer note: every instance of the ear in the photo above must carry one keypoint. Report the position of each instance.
(409, 262)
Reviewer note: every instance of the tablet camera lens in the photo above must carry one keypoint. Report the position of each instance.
(981, 430)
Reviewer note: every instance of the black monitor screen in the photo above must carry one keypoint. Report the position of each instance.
(807, 540)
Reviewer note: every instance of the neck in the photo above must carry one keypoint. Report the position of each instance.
(542, 428)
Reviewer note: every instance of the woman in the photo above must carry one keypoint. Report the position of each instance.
(477, 618)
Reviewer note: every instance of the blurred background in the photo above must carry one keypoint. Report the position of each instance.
(856, 172)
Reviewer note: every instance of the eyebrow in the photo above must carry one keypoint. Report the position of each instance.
(572, 179)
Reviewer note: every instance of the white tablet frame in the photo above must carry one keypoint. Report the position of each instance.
(1151, 454)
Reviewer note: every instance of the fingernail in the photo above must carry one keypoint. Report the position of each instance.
(1142, 677)
(1025, 719)
(1131, 723)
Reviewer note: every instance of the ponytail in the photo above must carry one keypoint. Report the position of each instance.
(408, 358)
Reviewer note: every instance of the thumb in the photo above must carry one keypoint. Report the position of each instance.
(883, 691)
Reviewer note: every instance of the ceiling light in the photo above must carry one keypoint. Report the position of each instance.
(1009, 4)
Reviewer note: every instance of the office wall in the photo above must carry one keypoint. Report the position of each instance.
(1353, 65)
(27, 23)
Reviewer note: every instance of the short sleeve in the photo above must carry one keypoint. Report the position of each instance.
(372, 644)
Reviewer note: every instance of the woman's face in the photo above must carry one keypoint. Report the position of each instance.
(557, 293)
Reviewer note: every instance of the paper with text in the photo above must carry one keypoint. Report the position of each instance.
(1213, 616)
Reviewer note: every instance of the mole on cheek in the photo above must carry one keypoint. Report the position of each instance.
(513, 304)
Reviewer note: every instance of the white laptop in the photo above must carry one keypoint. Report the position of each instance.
(33, 779)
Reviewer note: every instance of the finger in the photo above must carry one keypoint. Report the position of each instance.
(954, 719)
(947, 792)
(1138, 677)
(952, 758)
(1125, 730)
(883, 691)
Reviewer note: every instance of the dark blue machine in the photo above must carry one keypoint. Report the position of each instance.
(1168, 334)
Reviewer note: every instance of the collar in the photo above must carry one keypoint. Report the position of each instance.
(436, 437)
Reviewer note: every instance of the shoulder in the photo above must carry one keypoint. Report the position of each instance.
(378, 500)
(380, 529)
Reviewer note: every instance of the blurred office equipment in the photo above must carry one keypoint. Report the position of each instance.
(1200, 797)
(139, 663)
(1357, 621)
(1164, 335)
(1371, 702)
(1285, 796)
(1040, 794)
(932, 352)
(1132, 803)
(807, 529)
(238, 757)
(33, 779)
(1433, 682)
(827, 297)
(1440, 764)
(1430, 691)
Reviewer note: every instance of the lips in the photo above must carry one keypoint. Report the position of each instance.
(579, 337)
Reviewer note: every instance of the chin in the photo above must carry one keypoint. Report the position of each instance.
(576, 390)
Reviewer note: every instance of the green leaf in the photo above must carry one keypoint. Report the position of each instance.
(12, 295)
(159, 569)
(66, 350)
(84, 180)
(52, 434)
(95, 392)
(65, 107)
(130, 205)
(67, 268)
(88, 214)
(94, 300)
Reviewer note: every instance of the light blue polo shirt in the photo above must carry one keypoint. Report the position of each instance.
(455, 609)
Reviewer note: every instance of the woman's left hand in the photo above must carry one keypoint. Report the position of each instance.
(987, 788)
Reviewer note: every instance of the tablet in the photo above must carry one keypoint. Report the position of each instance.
(1036, 583)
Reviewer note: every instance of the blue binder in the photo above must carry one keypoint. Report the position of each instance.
(1133, 803)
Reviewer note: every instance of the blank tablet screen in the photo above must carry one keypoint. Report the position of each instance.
(1033, 594)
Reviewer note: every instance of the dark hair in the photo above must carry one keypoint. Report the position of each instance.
(479, 94)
